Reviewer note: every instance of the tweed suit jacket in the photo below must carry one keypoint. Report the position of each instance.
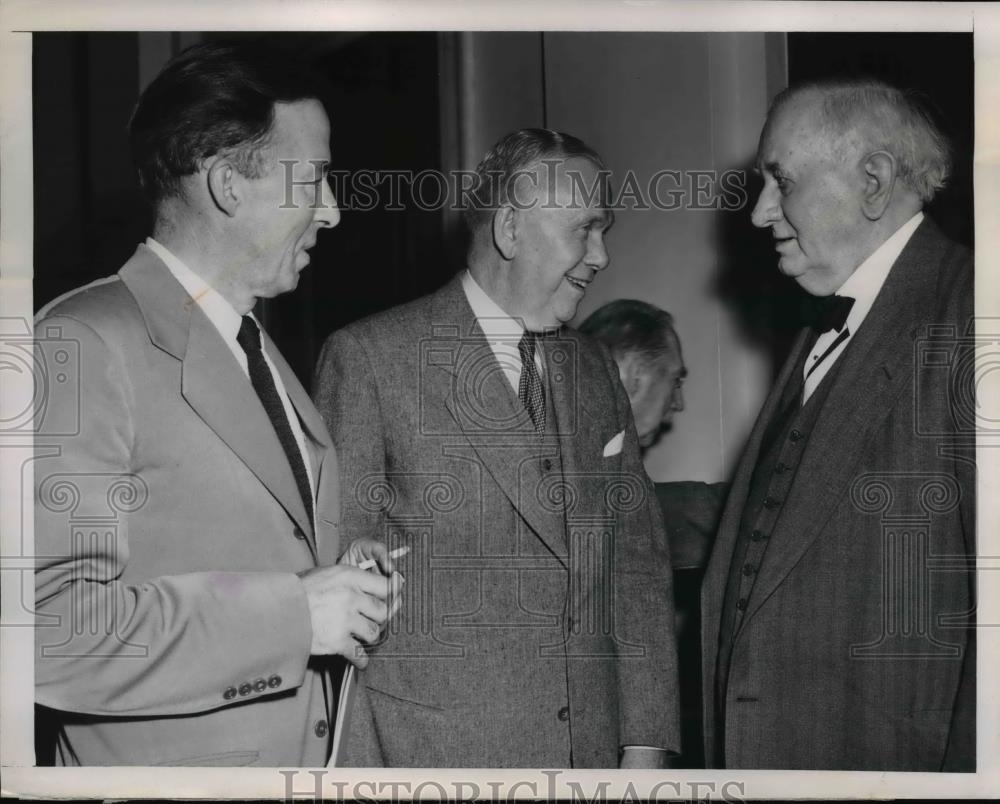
(853, 651)
(172, 628)
(537, 627)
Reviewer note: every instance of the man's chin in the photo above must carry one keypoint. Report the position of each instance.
(790, 267)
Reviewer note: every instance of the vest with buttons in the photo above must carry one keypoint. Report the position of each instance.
(780, 453)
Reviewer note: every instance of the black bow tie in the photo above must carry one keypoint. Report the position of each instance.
(824, 313)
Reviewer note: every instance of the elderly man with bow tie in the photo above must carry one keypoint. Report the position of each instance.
(831, 639)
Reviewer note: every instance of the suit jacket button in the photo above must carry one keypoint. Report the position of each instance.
(563, 714)
(321, 728)
(796, 435)
(260, 685)
(741, 604)
(245, 688)
(547, 465)
(298, 533)
(780, 467)
(230, 693)
(274, 681)
(770, 502)
(748, 569)
(758, 535)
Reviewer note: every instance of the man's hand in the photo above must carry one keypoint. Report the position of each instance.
(635, 757)
(347, 608)
(361, 550)
(368, 554)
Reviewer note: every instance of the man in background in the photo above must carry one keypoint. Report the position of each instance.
(476, 429)
(646, 349)
(188, 596)
(818, 653)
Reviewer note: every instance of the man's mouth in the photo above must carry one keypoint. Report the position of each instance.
(579, 284)
(779, 242)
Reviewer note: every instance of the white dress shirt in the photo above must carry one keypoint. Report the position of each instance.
(227, 321)
(502, 332)
(863, 286)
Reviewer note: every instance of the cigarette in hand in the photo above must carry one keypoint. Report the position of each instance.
(368, 563)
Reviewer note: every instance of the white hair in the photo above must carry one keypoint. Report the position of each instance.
(884, 118)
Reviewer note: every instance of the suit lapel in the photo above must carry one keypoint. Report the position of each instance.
(492, 419)
(212, 382)
(321, 453)
(875, 369)
(578, 424)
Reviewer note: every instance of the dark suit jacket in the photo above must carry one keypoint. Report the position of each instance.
(537, 628)
(852, 652)
(171, 626)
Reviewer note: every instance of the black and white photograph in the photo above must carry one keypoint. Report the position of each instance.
(489, 403)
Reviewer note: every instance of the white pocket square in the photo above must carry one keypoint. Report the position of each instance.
(614, 446)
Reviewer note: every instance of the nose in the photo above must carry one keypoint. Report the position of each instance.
(597, 253)
(327, 212)
(767, 210)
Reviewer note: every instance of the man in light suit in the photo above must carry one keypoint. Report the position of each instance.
(476, 429)
(189, 601)
(837, 600)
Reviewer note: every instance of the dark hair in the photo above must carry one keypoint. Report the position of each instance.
(209, 99)
(885, 118)
(628, 326)
(514, 153)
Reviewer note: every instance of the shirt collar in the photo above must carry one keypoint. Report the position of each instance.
(219, 311)
(492, 320)
(867, 280)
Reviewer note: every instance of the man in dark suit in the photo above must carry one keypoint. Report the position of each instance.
(837, 599)
(537, 627)
(188, 595)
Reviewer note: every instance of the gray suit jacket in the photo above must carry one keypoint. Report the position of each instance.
(537, 627)
(852, 653)
(171, 626)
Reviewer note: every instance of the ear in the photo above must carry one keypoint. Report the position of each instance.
(880, 177)
(223, 185)
(505, 231)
